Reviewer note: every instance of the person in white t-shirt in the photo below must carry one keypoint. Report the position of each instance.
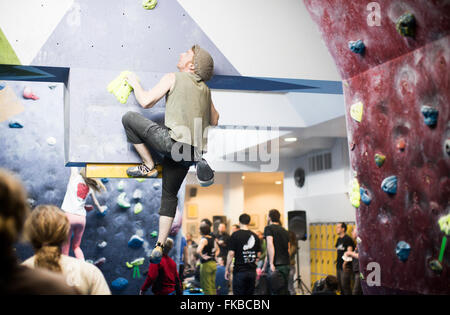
(47, 228)
(78, 189)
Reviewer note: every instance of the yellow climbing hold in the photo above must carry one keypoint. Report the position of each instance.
(120, 87)
(356, 111)
(444, 224)
(149, 4)
(355, 196)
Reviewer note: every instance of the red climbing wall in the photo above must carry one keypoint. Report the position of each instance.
(394, 78)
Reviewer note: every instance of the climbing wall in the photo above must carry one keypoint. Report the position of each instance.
(394, 58)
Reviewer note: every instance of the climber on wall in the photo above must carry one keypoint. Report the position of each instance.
(182, 138)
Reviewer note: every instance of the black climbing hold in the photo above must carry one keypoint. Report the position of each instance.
(406, 25)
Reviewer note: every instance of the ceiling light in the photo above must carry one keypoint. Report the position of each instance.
(290, 139)
(278, 182)
(243, 177)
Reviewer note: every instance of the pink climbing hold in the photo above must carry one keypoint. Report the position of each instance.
(28, 94)
(89, 207)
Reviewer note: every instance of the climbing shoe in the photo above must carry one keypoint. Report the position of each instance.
(205, 175)
(142, 171)
(157, 252)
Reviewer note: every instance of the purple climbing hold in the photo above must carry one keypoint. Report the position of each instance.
(389, 185)
(100, 261)
(15, 124)
(402, 250)
(357, 47)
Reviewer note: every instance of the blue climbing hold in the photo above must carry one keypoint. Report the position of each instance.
(389, 185)
(357, 47)
(365, 197)
(119, 284)
(430, 115)
(135, 242)
(15, 125)
(402, 250)
(105, 180)
(2, 86)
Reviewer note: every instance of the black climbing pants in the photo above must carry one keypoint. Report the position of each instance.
(142, 130)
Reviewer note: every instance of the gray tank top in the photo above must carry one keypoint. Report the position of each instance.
(188, 108)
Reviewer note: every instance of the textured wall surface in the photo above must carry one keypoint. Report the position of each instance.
(393, 79)
(41, 168)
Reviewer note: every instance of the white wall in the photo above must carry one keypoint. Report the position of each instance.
(323, 196)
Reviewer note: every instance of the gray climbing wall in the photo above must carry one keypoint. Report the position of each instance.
(100, 37)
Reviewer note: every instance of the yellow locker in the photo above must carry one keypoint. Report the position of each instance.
(318, 261)
(333, 259)
(323, 262)
(350, 228)
(323, 235)
(313, 261)
(312, 233)
(330, 235)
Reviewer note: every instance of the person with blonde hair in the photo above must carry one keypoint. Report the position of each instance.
(15, 278)
(78, 189)
(47, 229)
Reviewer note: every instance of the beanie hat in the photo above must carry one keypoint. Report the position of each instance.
(203, 63)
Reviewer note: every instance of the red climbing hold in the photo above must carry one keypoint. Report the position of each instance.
(401, 144)
(28, 94)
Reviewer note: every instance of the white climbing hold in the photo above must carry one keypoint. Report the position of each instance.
(51, 141)
(137, 194)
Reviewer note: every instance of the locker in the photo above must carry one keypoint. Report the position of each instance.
(323, 236)
(312, 237)
(313, 261)
(330, 233)
(323, 263)
(318, 261)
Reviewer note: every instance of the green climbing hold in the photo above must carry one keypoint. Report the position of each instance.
(121, 185)
(122, 201)
(379, 159)
(136, 262)
(149, 4)
(154, 234)
(120, 87)
(140, 180)
(406, 25)
(361, 276)
(138, 208)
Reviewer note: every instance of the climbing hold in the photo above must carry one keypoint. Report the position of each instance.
(154, 234)
(361, 276)
(90, 261)
(52, 87)
(140, 180)
(406, 25)
(137, 194)
(51, 141)
(122, 201)
(120, 185)
(356, 111)
(357, 46)
(137, 262)
(120, 87)
(402, 250)
(89, 207)
(105, 180)
(389, 185)
(354, 193)
(401, 144)
(102, 244)
(15, 124)
(100, 261)
(444, 224)
(119, 284)
(31, 202)
(430, 115)
(28, 94)
(135, 241)
(149, 4)
(358, 240)
(156, 185)
(2, 86)
(365, 197)
(435, 265)
(447, 146)
(138, 208)
(379, 159)
(352, 146)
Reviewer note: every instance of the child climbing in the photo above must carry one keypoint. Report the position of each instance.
(189, 108)
(78, 189)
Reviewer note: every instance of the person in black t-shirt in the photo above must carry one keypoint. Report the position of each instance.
(245, 247)
(223, 240)
(277, 239)
(344, 243)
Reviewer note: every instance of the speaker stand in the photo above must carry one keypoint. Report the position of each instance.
(300, 284)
